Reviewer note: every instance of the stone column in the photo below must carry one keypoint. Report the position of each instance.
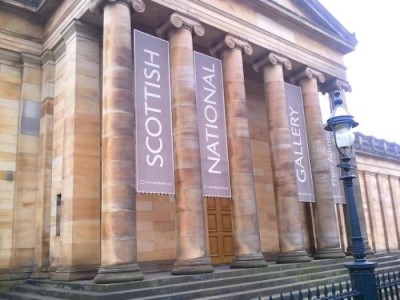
(43, 205)
(192, 254)
(326, 230)
(80, 209)
(247, 246)
(343, 86)
(118, 207)
(291, 238)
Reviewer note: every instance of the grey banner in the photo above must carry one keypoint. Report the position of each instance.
(337, 186)
(212, 127)
(154, 146)
(295, 110)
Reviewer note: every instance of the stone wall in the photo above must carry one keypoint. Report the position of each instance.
(378, 163)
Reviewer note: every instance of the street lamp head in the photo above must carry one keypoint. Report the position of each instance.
(341, 123)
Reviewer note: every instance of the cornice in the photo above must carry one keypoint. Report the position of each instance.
(227, 22)
(372, 146)
(307, 73)
(97, 6)
(178, 21)
(231, 42)
(272, 59)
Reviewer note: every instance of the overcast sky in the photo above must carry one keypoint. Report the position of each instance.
(374, 67)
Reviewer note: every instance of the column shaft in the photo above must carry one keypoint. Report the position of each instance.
(327, 236)
(247, 246)
(118, 231)
(192, 254)
(291, 240)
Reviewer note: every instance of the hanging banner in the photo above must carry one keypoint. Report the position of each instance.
(154, 145)
(295, 110)
(212, 128)
(337, 188)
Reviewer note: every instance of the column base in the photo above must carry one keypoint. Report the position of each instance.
(248, 261)
(119, 273)
(368, 249)
(40, 273)
(293, 257)
(15, 274)
(70, 273)
(329, 253)
(192, 266)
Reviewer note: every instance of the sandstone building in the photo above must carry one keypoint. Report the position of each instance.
(79, 199)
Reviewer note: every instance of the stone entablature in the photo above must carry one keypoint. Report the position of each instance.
(370, 145)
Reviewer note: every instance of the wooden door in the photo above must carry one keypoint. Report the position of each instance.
(220, 230)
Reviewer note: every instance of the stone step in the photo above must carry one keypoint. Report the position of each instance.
(223, 284)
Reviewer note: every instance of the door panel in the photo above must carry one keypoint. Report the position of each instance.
(220, 230)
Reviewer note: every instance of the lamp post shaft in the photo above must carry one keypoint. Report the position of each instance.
(362, 272)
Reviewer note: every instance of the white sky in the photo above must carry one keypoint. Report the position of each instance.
(373, 69)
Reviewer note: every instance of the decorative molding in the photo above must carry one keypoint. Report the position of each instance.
(47, 57)
(178, 21)
(10, 57)
(231, 42)
(30, 60)
(272, 59)
(59, 50)
(370, 145)
(308, 73)
(336, 84)
(81, 29)
(97, 6)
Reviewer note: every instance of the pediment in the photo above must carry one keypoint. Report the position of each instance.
(311, 16)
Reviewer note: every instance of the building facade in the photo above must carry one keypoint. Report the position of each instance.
(80, 85)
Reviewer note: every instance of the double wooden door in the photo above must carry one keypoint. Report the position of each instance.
(219, 218)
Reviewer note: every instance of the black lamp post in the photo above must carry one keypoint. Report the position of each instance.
(362, 272)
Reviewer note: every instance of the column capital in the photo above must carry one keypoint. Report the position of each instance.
(308, 73)
(97, 6)
(231, 42)
(272, 59)
(178, 21)
(82, 29)
(336, 84)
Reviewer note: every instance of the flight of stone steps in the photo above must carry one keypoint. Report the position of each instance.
(224, 283)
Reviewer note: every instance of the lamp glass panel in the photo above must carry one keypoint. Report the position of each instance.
(344, 135)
